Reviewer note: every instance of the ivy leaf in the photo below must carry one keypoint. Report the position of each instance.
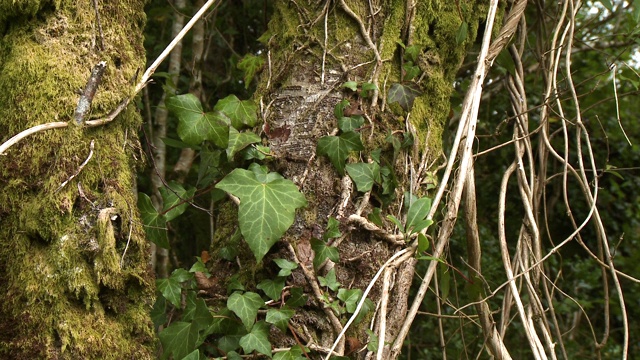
(159, 312)
(351, 299)
(250, 64)
(170, 289)
(351, 85)
(232, 355)
(330, 280)
(195, 355)
(242, 113)
(364, 175)
(332, 230)
(267, 209)
(367, 89)
(224, 323)
(155, 225)
(338, 110)
(404, 95)
(297, 298)
(239, 141)
(194, 125)
(285, 266)
(323, 252)
(179, 339)
(337, 148)
(350, 123)
(273, 288)
(174, 198)
(257, 339)
(279, 317)
(372, 345)
(375, 217)
(295, 353)
(176, 143)
(229, 343)
(411, 53)
(245, 306)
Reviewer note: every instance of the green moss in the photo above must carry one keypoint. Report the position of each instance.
(62, 286)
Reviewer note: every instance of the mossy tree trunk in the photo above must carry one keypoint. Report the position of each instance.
(74, 277)
(314, 47)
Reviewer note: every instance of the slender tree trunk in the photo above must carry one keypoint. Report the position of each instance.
(313, 49)
(74, 276)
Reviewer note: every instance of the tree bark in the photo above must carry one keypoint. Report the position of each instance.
(74, 277)
(314, 48)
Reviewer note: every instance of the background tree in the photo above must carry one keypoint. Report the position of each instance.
(74, 280)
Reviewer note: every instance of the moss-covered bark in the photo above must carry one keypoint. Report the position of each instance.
(68, 289)
(308, 64)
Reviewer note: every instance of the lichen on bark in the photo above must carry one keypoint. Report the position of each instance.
(64, 292)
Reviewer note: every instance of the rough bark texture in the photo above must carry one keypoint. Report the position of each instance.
(298, 109)
(66, 289)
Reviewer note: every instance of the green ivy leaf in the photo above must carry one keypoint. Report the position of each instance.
(239, 141)
(352, 123)
(159, 312)
(195, 355)
(155, 225)
(364, 175)
(367, 89)
(250, 64)
(224, 323)
(194, 125)
(411, 53)
(229, 343)
(323, 252)
(273, 288)
(285, 266)
(279, 317)
(351, 85)
(338, 110)
(173, 197)
(297, 298)
(179, 339)
(351, 297)
(333, 230)
(257, 339)
(170, 289)
(190, 306)
(233, 356)
(410, 71)
(245, 306)
(337, 148)
(199, 266)
(242, 113)
(295, 353)
(372, 345)
(404, 95)
(177, 143)
(375, 217)
(330, 280)
(267, 209)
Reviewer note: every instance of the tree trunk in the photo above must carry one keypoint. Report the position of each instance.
(313, 49)
(74, 277)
